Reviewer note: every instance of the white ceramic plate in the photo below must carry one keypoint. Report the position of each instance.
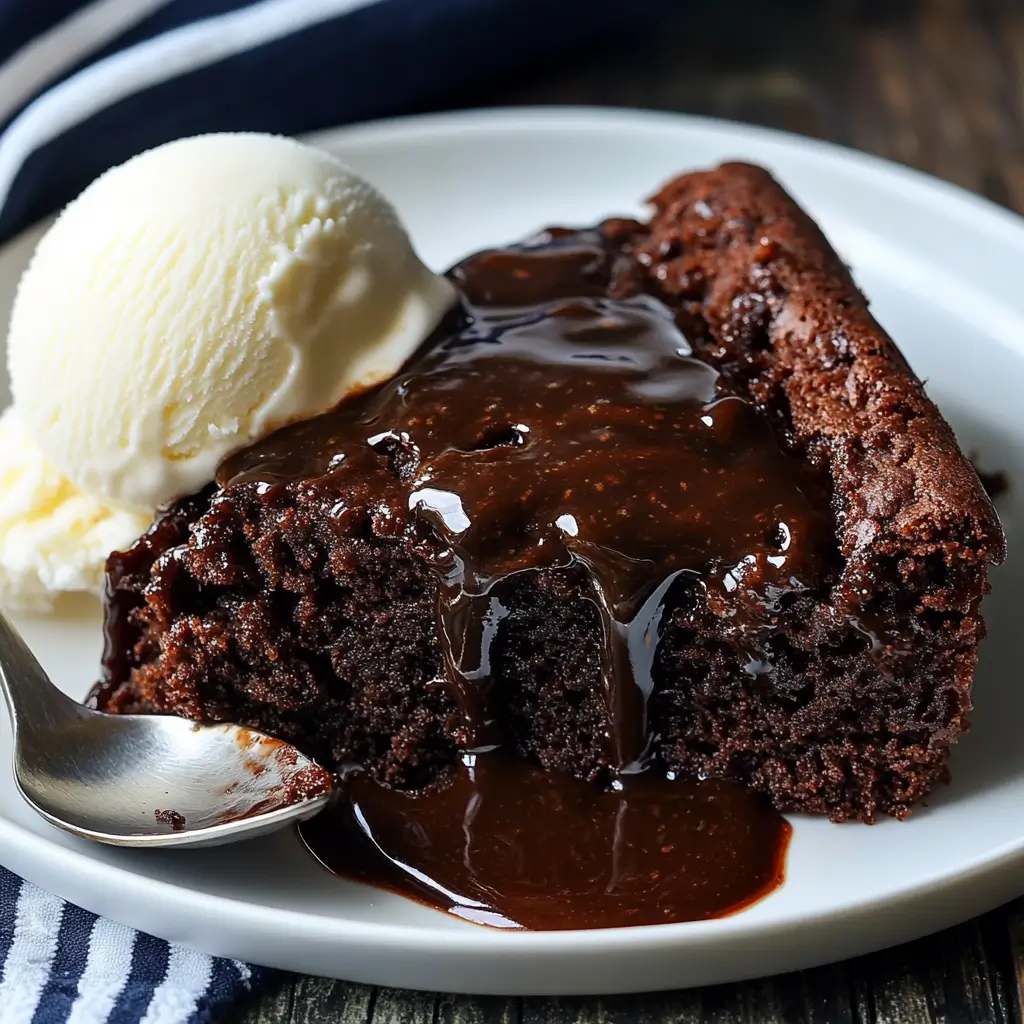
(944, 270)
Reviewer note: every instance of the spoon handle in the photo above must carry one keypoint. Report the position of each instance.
(32, 699)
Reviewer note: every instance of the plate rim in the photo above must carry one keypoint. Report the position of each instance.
(985, 216)
(881, 169)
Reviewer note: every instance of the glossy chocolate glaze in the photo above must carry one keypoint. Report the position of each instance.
(512, 846)
(550, 426)
(553, 427)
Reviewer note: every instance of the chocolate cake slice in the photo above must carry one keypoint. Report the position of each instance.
(654, 494)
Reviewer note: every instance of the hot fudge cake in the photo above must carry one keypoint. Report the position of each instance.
(655, 499)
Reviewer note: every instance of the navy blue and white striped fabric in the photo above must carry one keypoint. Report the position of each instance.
(84, 86)
(61, 963)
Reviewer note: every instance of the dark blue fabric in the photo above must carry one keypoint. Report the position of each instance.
(175, 14)
(10, 889)
(149, 965)
(66, 985)
(22, 20)
(61, 988)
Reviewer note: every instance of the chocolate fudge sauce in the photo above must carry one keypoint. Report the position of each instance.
(512, 846)
(550, 426)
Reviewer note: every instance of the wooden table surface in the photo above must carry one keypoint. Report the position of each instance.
(938, 84)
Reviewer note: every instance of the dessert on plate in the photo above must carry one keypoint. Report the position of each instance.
(578, 563)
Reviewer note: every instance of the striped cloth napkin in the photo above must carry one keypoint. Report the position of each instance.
(61, 963)
(84, 86)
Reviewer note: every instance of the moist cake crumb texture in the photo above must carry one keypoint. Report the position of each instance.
(829, 668)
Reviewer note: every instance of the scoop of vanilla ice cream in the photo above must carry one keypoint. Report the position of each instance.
(53, 537)
(201, 295)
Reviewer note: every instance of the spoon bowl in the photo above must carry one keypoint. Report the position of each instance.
(148, 780)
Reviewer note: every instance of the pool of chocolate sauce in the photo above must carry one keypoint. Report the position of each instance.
(512, 846)
(550, 426)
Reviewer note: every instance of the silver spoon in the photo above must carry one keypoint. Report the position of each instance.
(147, 780)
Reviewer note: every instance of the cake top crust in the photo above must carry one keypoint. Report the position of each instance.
(779, 306)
